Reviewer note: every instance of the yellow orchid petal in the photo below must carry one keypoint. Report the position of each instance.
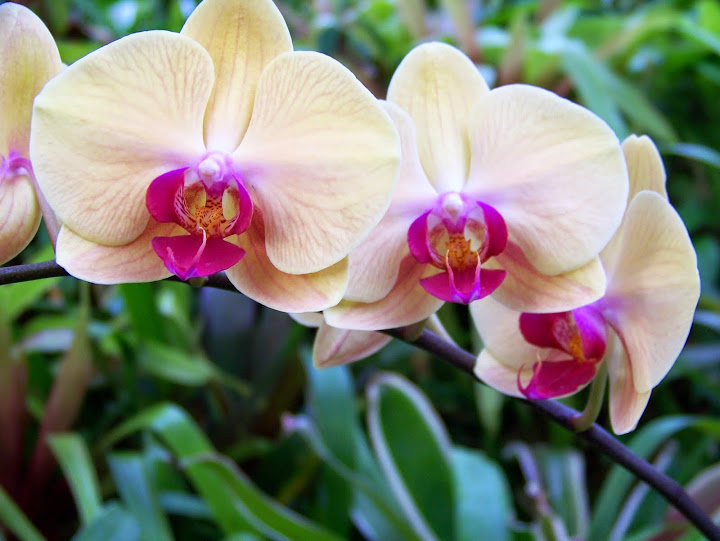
(405, 304)
(28, 59)
(19, 216)
(653, 288)
(499, 330)
(309, 319)
(320, 157)
(259, 279)
(242, 36)
(645, 166)
(553, 170)
(375, 263)
(340, 346)
(626, 404)
(100, 264)
(110, 123)
(499, 376)
(438, 85)
(526, 290)
(646, 172)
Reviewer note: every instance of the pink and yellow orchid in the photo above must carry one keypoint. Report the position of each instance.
(28, 59)
(218, 148)
(638, 327)
(511, 192)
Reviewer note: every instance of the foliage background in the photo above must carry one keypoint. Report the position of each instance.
(186, 414)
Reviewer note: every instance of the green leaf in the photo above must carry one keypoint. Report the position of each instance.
(140, 304)
(332, 402)
(175, 365)
(266, 515)
(185, 439)
(699, 153)
(114, 523)
(139, 495)
(72, 454)
(484, 500)
(414, 452)
(618, 482)
(15, 520)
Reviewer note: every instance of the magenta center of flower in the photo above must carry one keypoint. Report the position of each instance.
(577, 339)
(457, 236)
(210, 201)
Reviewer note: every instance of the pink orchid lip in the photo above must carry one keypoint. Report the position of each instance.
(457, 235)
(210, 201)
(580, 334)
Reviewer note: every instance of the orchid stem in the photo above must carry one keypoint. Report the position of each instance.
(434, 324)
(587, 418)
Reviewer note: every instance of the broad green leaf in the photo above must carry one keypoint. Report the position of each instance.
(266, 515)
(184, 504)
(176, 365)
(114, 523)
(615, 488)
(484, 500)
(12, 517)
(145, 318)
(332, 403)
(74, 458)
(139, 495)
(381, 519)
(414, 452)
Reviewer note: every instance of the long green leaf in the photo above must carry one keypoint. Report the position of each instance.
(414, 452)
(268, 516)
(74, 458)
(15, 520)
(16, 298)
(145, 317)
(139, 495)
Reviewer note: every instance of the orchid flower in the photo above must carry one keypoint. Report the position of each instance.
(511, 192)
(28, 59)
(215, 149)
(638, 327)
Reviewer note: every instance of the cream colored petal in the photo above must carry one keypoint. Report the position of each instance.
(321, 159)
(645, 167)
(646, 172)
(500, 377)
(438, 85)
(100, 264)
(653, 288)
(242, 36)
(28, 59)
(407, 303)
(499, 330)
(256, 277)
(626, 404)
(113, 121)
(340, 346)
(553, 170)
(19, 215)
(526, 290)
(375, 263)
(309, 319)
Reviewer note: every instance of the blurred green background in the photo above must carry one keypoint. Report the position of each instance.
(195, 414)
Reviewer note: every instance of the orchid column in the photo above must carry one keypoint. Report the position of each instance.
(215, 149)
